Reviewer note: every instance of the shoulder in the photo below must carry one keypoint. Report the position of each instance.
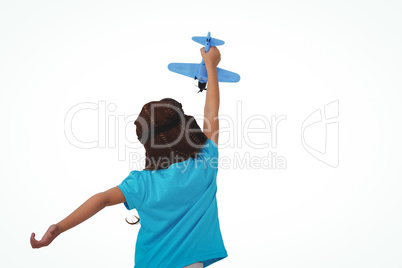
(210, 148)
(133, 189)
(133, 178)
(209, 154)
(134, 175)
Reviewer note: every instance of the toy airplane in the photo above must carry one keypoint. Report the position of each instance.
(198, 71)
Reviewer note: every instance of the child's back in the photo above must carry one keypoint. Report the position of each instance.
(178, 211)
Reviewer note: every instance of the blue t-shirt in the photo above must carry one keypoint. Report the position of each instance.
(178, 211)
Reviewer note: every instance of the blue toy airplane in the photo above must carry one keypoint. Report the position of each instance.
(198, 71)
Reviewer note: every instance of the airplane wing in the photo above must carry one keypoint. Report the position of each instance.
(214, 42)
(187, 69)
(191, 70)
(227, 76)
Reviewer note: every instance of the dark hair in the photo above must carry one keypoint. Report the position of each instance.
(134, 222)
(168, 135)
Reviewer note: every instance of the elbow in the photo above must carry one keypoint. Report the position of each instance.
(211, 111)
(101, 199)
(211, 115)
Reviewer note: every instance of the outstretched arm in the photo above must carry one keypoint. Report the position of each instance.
(89, 208)
(211, 109)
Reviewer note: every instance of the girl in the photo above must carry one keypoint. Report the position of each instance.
(175, 195)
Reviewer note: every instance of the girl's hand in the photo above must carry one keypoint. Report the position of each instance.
(212, 57)
(47, 238)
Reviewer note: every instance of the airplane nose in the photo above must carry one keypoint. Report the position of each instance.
(202, 79)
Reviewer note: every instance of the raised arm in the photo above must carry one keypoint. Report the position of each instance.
(89, 208)
(211, 109)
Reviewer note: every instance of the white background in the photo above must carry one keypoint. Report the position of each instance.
(294, 57)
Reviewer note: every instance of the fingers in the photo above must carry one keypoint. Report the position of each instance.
(211, 48)
(34, 242)
(37, 244)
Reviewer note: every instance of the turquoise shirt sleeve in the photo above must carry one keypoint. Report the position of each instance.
(211, 149)
(210, 155)
(133, 190)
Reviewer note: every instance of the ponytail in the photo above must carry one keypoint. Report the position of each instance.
(133, 222)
